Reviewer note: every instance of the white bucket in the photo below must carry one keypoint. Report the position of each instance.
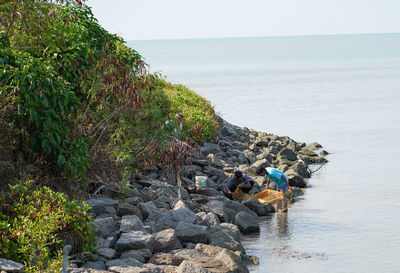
(201, 181)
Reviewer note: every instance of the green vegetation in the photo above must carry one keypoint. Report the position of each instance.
(35, 221)
(75, 102)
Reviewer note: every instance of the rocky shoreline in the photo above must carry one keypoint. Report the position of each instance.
(151, 230)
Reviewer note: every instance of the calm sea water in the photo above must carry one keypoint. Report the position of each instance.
(341, 91)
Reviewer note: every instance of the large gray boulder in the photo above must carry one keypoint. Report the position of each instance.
(246, 222)
(131, 223)
(301, 169)
(215, 161)
(137, 254)
(295, 179)
(135, 240)
(208, 219)
(260, 163)
(149, 211)
(314, 146)
(233, 262)
(210, 148)
(171, 218)
(287, 153)
(193, 233)
(108, 253)
(128, 209)
(238, 207)
(257, 207)
(250, 155)
(216, 207)
(98, 205)
(226, 237)
(104, 226)
(166, 240)
(228, 257)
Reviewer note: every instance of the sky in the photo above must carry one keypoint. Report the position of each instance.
(186, 19)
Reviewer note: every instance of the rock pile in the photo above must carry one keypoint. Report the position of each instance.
(151, 230)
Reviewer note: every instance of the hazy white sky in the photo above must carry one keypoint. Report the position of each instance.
(170, 19)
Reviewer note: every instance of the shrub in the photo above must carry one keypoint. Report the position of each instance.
(35, 223)
(201, 123)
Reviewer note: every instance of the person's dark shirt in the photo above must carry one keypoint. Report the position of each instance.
(233, 182)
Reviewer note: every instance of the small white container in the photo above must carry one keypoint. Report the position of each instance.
(201, 181)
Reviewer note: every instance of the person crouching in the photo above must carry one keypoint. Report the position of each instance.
(241, 181)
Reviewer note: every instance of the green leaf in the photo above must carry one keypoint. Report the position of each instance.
(61, 160)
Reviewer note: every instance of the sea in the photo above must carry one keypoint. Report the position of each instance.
(342, 91)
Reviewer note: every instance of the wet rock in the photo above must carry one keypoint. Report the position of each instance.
(238, 207)
(228, 257)
(259, 208)
(301, 169)
(246, 222)
(323, 153)
(225, 238)
(295, 179)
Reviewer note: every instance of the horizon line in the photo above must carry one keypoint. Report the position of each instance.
(269, 36)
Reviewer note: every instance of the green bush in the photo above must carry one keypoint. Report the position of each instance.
(201, 122)
(36, 223)
(45, 103)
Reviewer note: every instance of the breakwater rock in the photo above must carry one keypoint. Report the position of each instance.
(151, 230)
